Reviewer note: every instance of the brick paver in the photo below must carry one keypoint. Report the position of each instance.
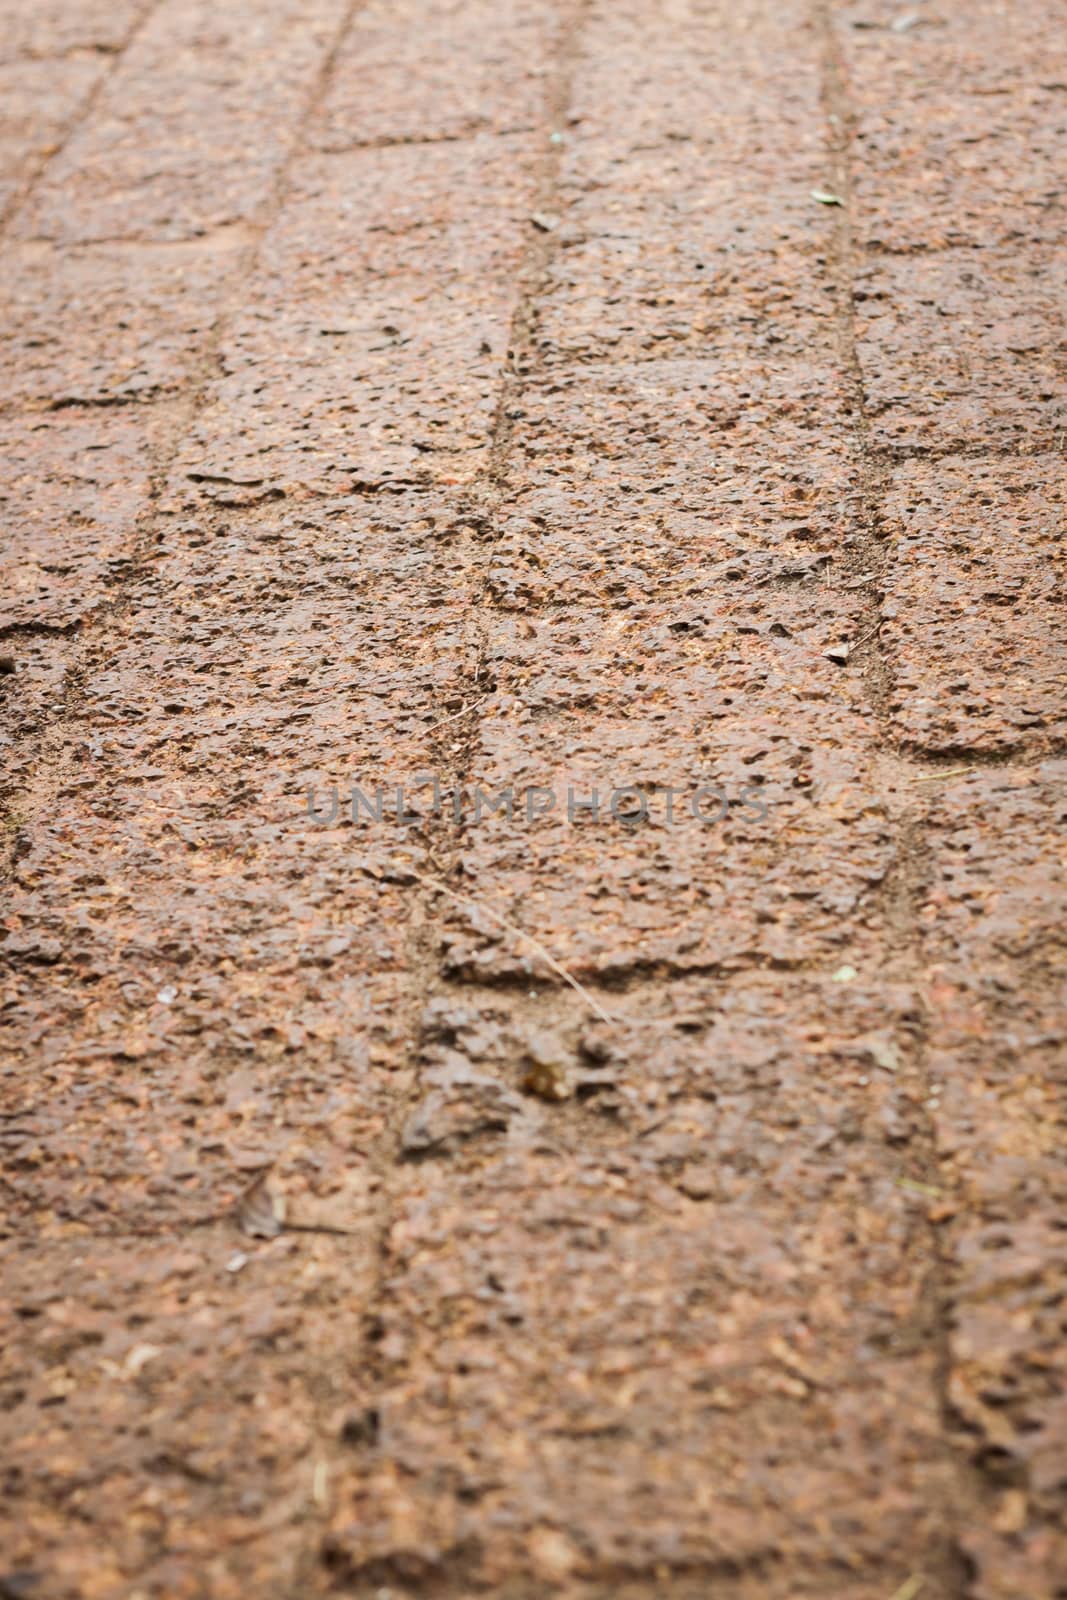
(614, 1197)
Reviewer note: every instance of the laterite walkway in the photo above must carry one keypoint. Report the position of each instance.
(655, 1198)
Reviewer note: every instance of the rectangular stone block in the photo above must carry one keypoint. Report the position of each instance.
(975, 630)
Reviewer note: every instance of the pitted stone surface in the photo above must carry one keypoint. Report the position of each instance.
(532, 684)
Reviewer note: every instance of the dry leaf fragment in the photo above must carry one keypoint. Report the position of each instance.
(547, 1080)
(882, 1050)
(826, 197)
(261, 1211)
(913, 1186)
(1011, 1513)
(139, 1357)
(552, 1554)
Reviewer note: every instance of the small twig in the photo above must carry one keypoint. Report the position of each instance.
(913, 1187)
(932, 777)
(462, 712)
(868, 635)
(519, 933)
(321, 1227)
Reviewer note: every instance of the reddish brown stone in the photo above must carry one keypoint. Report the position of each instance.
(76, 489)
(193, 127)
(959, 125)
(597, 1204)
(974, 603)
(964, 351)
(993, 919)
